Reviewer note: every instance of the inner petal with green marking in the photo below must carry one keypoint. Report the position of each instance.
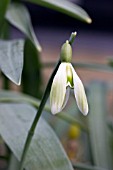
(69, 76)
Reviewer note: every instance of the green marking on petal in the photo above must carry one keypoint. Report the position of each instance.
(69, 76)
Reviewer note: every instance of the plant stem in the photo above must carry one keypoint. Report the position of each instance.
(40, 109)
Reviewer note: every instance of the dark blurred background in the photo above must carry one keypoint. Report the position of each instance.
(101, 12)
(93, 44)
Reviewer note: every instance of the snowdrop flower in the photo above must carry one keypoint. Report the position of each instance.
(67, 78)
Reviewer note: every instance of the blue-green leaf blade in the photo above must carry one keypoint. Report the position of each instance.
(97, 119)
(45, 151)
(65, 7)
(11, 59)
(18, 15)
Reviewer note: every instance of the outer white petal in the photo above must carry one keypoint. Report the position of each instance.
(58, 89)
(79, 92)
(66, 97)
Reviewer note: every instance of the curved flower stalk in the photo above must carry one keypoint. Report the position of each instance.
(67, 78)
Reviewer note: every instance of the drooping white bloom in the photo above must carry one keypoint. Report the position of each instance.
(67, 77)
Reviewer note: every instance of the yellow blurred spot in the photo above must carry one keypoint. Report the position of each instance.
(74, 131)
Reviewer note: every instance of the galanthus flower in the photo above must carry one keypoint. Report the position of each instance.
(66, 78)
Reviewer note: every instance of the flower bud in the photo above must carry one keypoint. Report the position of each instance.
(66, 52)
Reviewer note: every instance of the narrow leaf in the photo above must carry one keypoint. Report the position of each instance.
(98, 127)
(14, 163)
(65, 7)
(18, 15)
(15, 97)
(4, 30)
(3, 8)
(45, 151)
(31, 70)
(11, 59)
(80, 166)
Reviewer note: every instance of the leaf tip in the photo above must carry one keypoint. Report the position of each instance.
(39, 48)
(18, 83)
(89, 20)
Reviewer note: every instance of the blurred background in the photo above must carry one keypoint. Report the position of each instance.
(94, 45)
(100, 11)
(93, 42)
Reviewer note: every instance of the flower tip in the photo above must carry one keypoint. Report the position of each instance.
(89, 20)
(54, 109)
(54, 112)
(85, 112)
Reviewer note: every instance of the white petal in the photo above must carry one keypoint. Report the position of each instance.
(66, 97)
(58, 89)
(79, 92)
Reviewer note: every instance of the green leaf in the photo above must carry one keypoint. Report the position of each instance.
(14, 163)
(3, 8)
(32, 70)
(97, 119)
(80, 166)
(45, 151)
(65, 7)
(18, 15)
(4, 31)
(11, 59)
(11, 96)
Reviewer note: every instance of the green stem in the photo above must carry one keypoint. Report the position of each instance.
(40, 109)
